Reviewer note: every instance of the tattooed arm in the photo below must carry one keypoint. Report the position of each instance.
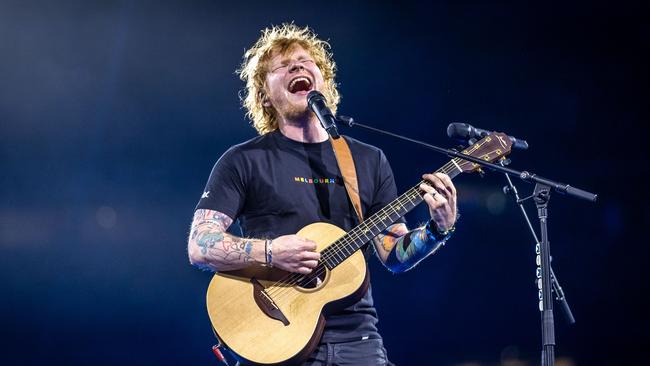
(211, 247)
(400, 249)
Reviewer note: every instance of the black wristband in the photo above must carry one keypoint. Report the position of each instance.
(434, 232)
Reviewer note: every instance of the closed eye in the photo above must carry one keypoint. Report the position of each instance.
(285, 65)
(277, 68)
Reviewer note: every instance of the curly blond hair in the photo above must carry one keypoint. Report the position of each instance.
(254, 68)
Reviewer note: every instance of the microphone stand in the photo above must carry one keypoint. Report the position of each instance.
(541, 196)
(511, 190)
(523, 175)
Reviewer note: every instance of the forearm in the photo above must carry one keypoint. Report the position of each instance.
(211, 247)
(219, 251)
(404, 250)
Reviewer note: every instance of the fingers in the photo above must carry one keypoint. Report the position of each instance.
(309, 256)
(310, 264)
(309, 245)
(433, 199)
(442, 183)
(303, 270)
(432, 195)
(308, 261)
(429, 189)
(306, 267)
(440, 196)
(296, 254)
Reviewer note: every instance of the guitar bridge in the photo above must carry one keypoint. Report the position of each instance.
(266, 303)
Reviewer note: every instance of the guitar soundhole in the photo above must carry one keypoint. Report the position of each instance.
(314, 279)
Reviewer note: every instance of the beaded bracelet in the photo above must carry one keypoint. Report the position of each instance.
(268, 249)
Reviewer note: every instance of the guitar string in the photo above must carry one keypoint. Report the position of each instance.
(293, 278)
(335, 252)
(338, 246)
(446, 168)
(280, 296)
(344, 244)
(289, 281)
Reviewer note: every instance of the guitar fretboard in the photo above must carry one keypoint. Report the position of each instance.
(349, 243)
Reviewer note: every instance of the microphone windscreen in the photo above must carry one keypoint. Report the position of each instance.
(458, 130)
(313, 96)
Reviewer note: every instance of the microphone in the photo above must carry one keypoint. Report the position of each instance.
(316, 102)
(465, 131)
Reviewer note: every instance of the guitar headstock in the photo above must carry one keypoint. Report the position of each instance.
(490, 148)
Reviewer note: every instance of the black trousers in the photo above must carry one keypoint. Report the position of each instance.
(365, 352)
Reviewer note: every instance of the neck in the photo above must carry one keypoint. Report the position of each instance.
(308, 130)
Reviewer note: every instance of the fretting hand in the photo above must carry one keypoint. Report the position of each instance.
(440, 196)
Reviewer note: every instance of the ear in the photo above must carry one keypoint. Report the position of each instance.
(265, 100)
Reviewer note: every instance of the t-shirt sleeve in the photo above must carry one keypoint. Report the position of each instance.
(226, 187)
(385, 191)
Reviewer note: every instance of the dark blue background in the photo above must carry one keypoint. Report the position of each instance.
(112, 114)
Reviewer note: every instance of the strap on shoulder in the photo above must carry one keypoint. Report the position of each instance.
(349, 173)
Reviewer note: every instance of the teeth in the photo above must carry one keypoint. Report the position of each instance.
(294, 81)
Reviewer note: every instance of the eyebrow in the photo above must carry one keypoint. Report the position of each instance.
(286, 60)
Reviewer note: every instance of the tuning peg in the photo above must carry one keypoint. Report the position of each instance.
(504, 161)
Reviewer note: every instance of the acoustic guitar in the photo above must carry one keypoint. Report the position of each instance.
(269, 316)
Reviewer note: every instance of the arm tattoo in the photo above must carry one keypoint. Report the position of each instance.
(218, 248)
(407, 248)
(410, 245)
(209, 240)
(216, 218)
(388, 237)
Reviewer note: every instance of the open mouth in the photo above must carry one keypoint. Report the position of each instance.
(300, 84)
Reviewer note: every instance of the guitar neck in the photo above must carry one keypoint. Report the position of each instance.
(375, 224)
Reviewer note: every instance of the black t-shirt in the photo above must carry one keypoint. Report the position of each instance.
(275, 186)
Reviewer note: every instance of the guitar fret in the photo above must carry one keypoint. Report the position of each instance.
(328, 261)
(365, 231)
(346, 254)
(456, 164)
(407, 196)
(374, 224)
(339, 258)
(348, 244)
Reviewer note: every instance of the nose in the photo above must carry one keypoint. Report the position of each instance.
(296, 66)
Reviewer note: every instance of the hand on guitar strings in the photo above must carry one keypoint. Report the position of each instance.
(295, 254)
(440, 196)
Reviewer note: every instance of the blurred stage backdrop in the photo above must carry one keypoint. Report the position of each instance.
(112, 114)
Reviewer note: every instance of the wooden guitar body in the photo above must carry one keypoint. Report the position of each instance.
(236, 304)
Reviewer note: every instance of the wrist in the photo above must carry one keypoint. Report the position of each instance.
(437, 233)
(259, 252)
(268, 253)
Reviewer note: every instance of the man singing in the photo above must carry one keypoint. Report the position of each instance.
(288, 177)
